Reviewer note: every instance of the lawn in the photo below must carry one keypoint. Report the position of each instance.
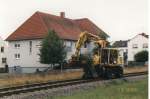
(119, 90)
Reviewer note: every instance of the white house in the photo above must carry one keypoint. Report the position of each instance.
(132, 46)
(137, 44)
(24, 43)
(3, 52)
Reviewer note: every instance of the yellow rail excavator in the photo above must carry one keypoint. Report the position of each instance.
(104, 62)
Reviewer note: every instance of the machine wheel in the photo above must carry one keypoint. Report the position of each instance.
(118, 72)
(99, 71)
(108, 74)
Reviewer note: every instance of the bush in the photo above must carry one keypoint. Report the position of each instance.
(141, 56)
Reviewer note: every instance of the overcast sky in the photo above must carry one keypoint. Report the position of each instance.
(121, 19)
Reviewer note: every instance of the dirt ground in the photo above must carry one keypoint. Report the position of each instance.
(135, 69)
(7, 80)
(15, 80)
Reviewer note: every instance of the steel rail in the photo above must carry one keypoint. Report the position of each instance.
(48, 85)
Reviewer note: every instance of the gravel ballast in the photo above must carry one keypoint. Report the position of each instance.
(69, 90)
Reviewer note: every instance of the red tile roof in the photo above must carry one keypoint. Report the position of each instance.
(86, 25)
(37, 26)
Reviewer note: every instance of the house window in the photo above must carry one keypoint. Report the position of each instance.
(68, 43)
(68, 46)
(2, 49)
(38, 46)
(68, 49)
(3, 60)
(17, 56)
(71, 43)
(17, 45)
(145, 45)
(30, 44)
(135, 46)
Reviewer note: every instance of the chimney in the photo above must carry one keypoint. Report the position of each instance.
(62, 14)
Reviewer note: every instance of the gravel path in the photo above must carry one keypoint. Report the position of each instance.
(68, 90)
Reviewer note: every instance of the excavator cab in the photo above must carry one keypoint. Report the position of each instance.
(110, 63)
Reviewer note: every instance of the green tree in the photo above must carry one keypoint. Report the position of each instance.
(141, 56)
(52, 50)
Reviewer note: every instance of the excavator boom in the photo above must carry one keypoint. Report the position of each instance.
(85, 36)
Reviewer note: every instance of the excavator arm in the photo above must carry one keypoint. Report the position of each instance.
(84, 36)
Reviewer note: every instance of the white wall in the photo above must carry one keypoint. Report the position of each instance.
(3, 54)
(139, 40)
(29, 59)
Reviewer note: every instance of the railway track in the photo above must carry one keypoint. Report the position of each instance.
(135, 74)
(48, 85)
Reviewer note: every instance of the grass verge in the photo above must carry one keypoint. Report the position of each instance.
(22, 79)
(116, 90)
(15, 80)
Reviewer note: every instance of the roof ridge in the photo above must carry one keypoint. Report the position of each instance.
(81, 19)
(52, 15)
(93, 24)
(38, 12)
(138, 35)
(71, 20)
